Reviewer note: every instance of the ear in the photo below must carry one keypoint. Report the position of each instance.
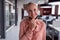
(25, 6)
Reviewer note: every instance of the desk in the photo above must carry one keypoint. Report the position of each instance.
(50, 18)
(57, 28)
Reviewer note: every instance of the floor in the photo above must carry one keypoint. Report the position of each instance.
(12, 33)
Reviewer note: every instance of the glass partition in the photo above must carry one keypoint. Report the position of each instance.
(9, 14)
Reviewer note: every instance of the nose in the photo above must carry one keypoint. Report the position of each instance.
(33, 12)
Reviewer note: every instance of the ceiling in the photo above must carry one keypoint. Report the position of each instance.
(35, 1)
(26, 1)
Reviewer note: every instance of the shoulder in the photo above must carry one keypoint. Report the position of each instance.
(41, 21)
(24, 20)
(41, 25)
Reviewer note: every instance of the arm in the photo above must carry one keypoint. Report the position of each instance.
(24, 35)
(44, 31)
(21, 29)
(41, 34)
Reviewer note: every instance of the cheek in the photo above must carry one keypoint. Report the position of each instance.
(36, 13)
(29, 14)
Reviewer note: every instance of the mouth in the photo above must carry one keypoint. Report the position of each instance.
(32, 17)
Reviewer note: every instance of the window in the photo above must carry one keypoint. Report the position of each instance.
(9, 14)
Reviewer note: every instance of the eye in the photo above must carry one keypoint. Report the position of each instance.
(29, 10)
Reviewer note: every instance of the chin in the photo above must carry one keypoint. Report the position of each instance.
(33, 17)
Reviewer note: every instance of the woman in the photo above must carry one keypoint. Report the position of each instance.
(32, 28)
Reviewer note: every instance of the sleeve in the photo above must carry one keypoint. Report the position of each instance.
(24, 35)
(41, 35)
(44, 31)
(21, 29)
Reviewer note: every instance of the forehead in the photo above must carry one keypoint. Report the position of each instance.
(32, 6)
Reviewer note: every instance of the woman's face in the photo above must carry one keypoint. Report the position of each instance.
(32, 11)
